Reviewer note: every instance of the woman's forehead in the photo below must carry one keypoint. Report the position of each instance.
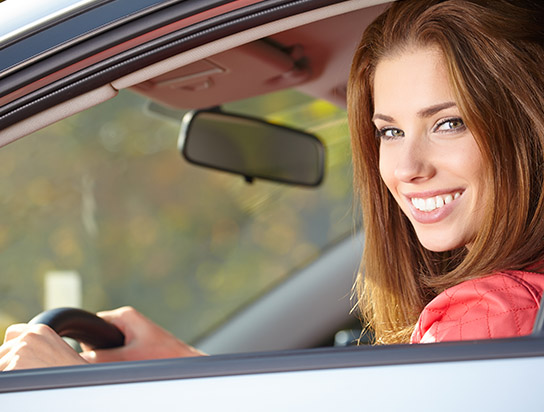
(411, 80)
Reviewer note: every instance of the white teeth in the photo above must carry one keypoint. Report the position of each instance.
(421, 204)
(432, 203)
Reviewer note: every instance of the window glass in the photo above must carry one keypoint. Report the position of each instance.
(100, 210)
(26, 15)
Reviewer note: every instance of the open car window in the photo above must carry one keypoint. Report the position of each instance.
(100, 210)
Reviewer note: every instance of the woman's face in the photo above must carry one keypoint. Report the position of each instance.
(429, 160)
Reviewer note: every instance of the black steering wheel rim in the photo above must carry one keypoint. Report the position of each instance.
(85, 327)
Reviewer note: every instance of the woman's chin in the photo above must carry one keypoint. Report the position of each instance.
(440, 243)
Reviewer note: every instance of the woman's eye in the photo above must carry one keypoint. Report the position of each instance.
(389, 133)
(450, 125)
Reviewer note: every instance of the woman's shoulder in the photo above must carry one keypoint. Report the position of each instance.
(503, 304)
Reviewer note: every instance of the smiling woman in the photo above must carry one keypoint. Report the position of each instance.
(446, 106)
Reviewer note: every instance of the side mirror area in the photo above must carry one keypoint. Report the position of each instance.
(251, 147)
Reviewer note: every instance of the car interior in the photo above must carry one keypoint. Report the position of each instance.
(309, 53)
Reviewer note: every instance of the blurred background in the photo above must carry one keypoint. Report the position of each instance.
(100, 210)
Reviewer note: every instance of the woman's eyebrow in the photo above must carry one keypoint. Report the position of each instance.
(429, 111)
(426, 112)
(382, 117)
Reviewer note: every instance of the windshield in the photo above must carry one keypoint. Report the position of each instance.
(100, 210)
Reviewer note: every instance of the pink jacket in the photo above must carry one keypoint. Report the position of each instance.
(501, 305)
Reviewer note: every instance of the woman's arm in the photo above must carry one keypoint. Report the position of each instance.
(38, 346)
(496, 306)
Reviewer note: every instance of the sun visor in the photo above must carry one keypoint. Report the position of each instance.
(225, 77)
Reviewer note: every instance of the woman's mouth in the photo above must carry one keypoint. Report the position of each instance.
(428, 204)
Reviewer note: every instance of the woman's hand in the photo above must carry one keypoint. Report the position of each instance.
(143, 340)
(35, 346)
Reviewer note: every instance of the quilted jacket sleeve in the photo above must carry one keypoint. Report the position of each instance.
(496, 306)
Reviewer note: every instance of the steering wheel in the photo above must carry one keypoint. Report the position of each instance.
(85, 327)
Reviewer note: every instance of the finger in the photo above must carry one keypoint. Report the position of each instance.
(14, 331)
(88, 355)
(106, 314)
(124, 312)
(5, 348)
(7, 360)
(104, 355)
(124, 318)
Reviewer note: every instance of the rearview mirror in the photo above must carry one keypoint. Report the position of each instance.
(251, 147)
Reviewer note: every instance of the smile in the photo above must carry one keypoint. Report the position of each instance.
(432, 203)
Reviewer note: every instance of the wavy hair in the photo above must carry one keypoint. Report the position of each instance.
(495, 60)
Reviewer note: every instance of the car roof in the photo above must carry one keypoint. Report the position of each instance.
(31, 31)
(25, 16)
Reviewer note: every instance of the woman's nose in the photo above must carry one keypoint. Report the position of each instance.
(414, 161)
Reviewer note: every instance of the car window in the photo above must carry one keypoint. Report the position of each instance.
(100, 210)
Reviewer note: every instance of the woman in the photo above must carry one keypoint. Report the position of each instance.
(446, 108)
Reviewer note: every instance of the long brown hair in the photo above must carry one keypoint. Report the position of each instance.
(495, 59)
